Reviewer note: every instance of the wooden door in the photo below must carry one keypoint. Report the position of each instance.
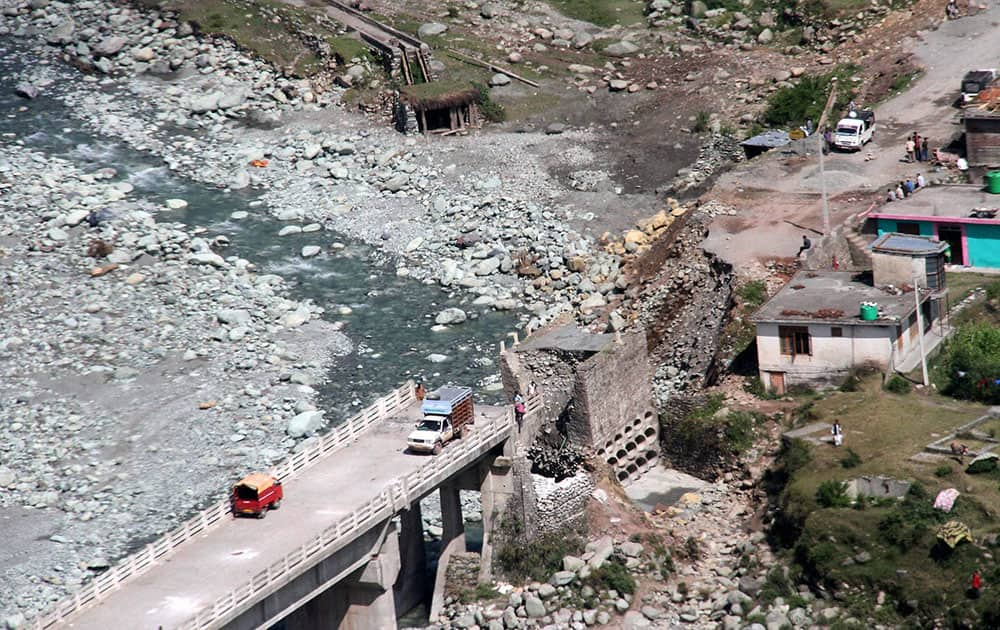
(777, 382)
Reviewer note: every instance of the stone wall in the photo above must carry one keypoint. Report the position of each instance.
(599, 401)
(611, 390)
(563, 503)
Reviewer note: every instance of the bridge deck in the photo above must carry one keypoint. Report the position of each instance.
(209, 566)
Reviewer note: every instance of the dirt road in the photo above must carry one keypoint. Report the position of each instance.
(778, 197)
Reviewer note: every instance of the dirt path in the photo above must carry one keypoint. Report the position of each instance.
(778, 197)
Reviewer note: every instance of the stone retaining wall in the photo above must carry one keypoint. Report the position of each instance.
(561, 503)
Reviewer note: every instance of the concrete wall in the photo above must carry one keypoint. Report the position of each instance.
(891, 225)
(898, 270)
(983, 244)
(831, 357)
(827, 248)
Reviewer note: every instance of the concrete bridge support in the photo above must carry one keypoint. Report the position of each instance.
(363, 600)
(411, 585)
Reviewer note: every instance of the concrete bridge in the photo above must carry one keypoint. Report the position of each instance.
(345, 549)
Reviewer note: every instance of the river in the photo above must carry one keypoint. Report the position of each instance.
(388, 318)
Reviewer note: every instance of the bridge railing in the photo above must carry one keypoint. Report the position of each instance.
(390, 500)
(139, 562)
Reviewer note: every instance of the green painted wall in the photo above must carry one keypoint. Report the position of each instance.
(983, 242)
(889, 225)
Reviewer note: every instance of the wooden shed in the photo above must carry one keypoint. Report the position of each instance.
(442, 106)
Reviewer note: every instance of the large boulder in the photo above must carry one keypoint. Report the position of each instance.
(499, 79)
(109, 46)
(451, 316)
(205, 103)
(305, 423)
(61, 33)
(431, 29)
(26, 90)
(623, 48)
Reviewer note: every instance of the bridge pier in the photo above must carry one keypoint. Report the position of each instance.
(411, 585)
(363, 600)
(495, 492)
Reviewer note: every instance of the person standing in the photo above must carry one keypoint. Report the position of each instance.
(925, 150)
(977, 583)
(806, 244)
(532, 389)
(916, 145)
(519, 410)
(419, 392)
(837, 432)
(910, 147)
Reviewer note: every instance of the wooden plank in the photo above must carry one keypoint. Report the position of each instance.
(490, 66)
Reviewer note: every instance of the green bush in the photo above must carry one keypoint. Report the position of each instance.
(791, 106)
(969, 365)
(795, 455)
(911, 521)
(536, 559)
(993, 290)
(753, 293)
(613, 575)
(832, 494)
(852, 383)
(754, 386)
(701, 121)
(739, 430)
(851, 459)
(897, 385)
(491, 110)
(943, 471)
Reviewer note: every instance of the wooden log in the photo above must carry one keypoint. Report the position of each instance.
(490, 66)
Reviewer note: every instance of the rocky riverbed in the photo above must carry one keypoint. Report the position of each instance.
(141, 371)
(478, 213)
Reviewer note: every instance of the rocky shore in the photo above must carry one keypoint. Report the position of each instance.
(142, 370)
(701, 569)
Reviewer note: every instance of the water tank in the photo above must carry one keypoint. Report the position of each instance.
(869, 312)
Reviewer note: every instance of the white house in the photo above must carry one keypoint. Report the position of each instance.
(812, 331)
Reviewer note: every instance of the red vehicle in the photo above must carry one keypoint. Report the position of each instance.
(255, 494)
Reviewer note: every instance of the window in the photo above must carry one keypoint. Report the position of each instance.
(794, 340)
(836, 331)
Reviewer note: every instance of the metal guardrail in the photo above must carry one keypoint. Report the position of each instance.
(139, 562)
(390, 500)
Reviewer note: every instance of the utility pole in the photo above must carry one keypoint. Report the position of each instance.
(920, 330)
(822, 172)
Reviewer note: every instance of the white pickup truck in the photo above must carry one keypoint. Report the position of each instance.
(855, 130)
(446, 413)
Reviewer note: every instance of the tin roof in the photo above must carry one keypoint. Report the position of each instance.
(833, 297)
(769, 139)
(894, 243)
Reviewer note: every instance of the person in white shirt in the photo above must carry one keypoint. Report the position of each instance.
(921, 182)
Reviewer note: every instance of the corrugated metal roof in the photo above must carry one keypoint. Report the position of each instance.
(769, 139)
(895, 243)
